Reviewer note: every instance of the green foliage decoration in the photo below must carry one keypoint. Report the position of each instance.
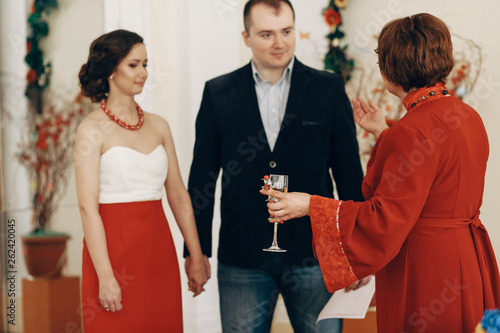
(336, 59)
(38, 76)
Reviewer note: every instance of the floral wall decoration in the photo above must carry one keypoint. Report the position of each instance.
(46, 147)
(336, 59)
(38, 76)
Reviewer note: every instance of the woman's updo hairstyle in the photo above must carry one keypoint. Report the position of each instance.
(104, 56)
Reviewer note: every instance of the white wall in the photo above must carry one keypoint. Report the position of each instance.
(13, 108)
(68, 50)
(191, 41)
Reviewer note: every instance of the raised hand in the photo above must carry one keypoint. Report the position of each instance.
(369, 117)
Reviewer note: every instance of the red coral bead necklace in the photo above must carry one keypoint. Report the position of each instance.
(121, 122)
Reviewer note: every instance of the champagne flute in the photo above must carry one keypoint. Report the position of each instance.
(278, 183)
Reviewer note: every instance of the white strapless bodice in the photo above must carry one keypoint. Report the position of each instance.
(127, 175)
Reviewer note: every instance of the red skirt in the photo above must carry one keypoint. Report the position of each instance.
(143, 257)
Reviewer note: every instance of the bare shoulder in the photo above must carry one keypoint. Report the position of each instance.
(92, 120)
(157, 121)
(89, 138)
(95, 122)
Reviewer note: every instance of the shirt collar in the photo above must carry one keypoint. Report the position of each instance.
(286, 73)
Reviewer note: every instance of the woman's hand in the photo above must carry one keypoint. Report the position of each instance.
(198, 272)
(369, 117)
(110, 294)
(289, 205)
(358, 284)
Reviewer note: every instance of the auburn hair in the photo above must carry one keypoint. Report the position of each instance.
(415, 51)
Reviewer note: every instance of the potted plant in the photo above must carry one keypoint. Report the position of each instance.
(47, 153)
(46, 149)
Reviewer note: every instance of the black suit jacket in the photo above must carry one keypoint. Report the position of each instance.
(317, 135)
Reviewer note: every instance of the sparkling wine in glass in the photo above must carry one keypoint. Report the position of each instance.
(278, 183)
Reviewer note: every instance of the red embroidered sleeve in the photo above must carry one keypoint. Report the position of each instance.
(328, 248)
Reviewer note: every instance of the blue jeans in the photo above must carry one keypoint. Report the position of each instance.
(248, 298)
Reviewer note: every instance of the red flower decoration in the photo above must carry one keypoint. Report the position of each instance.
(54, 138)
(459, 76)
(47, 151)
(42, 141)
(332, 17)
(32, 76)
(267, 183)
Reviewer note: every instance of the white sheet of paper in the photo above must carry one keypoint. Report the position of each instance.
(353, 304)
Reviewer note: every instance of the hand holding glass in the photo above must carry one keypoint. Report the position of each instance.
(278, 183)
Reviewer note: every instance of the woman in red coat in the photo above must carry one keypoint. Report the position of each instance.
(419, 229)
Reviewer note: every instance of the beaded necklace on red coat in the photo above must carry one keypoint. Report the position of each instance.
(121, 122)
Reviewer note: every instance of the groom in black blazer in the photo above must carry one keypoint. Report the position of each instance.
(317, 136)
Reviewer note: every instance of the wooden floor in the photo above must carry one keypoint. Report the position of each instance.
(366, 325)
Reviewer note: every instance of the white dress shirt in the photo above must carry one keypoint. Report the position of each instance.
(272, 100)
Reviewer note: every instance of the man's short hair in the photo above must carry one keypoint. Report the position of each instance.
(275, 4)
(415, 51)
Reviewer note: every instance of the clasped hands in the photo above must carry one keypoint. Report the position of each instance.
(198, 273)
